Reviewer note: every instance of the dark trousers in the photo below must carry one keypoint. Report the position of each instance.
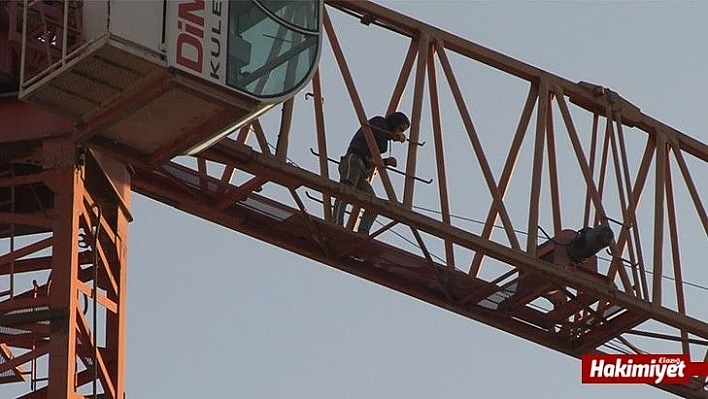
(353, 172)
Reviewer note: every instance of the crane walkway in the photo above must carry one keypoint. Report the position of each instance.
(577, 322)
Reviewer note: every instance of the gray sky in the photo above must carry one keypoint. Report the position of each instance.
(215, 314)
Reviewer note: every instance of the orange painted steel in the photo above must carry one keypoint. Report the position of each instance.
(597, 305)
(73, 206)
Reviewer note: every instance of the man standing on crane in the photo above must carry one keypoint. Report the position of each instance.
(357, 164)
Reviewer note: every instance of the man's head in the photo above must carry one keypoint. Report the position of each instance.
(397, 122)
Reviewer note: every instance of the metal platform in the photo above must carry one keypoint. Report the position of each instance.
(127, 101)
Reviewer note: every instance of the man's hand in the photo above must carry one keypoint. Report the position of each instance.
(390, 161)
(399, 136)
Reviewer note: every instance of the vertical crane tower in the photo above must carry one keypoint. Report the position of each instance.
(144, 81)
(98, 98)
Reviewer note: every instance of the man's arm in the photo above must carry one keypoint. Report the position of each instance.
(398, 136)
(379, 128)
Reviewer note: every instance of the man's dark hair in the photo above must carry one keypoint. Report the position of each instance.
(397, 119)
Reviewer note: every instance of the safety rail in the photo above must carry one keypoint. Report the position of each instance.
(46, 33)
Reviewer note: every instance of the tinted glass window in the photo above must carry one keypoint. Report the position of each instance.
(272, 46)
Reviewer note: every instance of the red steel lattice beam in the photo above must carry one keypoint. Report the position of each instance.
(426, 53)
(43, 306)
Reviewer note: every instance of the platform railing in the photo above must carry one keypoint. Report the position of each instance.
(50, 35)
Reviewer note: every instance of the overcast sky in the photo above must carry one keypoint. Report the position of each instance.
(215, 314)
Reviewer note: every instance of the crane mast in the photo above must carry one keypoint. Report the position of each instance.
(183, 115)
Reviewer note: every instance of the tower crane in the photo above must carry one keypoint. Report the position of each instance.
(174, 101)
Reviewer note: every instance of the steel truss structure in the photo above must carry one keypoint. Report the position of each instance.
(505, 273)
(66, 222)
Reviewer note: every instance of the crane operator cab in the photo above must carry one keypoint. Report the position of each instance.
(150, 80)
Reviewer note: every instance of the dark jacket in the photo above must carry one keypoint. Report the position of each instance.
(358, 144)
